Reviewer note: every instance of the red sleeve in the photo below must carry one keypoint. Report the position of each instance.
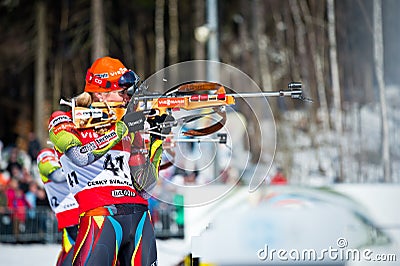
(60, 120)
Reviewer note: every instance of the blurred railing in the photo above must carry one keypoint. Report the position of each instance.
(40, 225)
(168, 221)
(31, 226)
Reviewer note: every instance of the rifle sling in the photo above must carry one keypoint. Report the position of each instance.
(165, 165)
(200, 86)
(208, 130)
(201, 132)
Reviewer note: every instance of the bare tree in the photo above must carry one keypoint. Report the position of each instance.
(300, 41)
(98, 30)
(140, 49)
(58, 61)
(263, 45)
(291, 46)
(245, 44)
(40, 73)
(125, 33)
(282, 68)
(173, 31)
(334, 67)
(317, 59)
(260, 65)
(261, 48)
(199, 47)
(378, 58)
(159, 34)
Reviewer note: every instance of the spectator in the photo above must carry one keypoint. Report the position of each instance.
(31, 222)
(13, 161)
(18, 206)
(33, 146)
(4, 178)
(279, 178)
(3, 198)
(42, 206)
(31, 196)
(1, 153)
(12, 186)
(190, 178)
(5, 220)
(229, 175)
(25, 180)
(41, 198)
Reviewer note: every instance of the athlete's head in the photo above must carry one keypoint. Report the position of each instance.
(109, 75)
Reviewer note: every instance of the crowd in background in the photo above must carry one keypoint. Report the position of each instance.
(24, 207)
(23, 198)
(21, 189)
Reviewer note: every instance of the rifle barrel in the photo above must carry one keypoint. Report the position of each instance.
(197, 140)
(295, 93)
(148, 97)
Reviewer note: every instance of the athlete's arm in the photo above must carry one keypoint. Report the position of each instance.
(64, 136)
(144, 170)
(83, 155)
(49, 166)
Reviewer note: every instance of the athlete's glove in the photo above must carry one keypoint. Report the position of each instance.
(49, 166)
(160, 125)
(135, 121)
(47, 162)
(108, 140)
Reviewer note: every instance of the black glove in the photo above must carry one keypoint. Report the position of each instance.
(135, 121)
(161, 124)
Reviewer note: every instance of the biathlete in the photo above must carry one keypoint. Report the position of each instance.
(115, 224)
(62, 202)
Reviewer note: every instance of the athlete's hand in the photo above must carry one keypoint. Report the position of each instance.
(47, 162)
(109, 140)
(160, 125)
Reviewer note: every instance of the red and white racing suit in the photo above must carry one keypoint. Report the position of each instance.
(62, 203)
(115, 224)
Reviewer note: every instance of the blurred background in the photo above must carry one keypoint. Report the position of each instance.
(346, 57)
(345, 53)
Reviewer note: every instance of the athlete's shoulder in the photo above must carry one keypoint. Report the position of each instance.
(60, 118)
(62, 131)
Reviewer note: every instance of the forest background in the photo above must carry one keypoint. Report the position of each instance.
(345, 52)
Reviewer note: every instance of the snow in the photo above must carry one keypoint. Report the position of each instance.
(170, 252)
(28, 255)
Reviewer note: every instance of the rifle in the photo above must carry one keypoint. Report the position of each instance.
(188, 96)
(180, 97)
(192, 96)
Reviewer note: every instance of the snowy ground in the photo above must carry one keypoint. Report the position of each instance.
(170, 252)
